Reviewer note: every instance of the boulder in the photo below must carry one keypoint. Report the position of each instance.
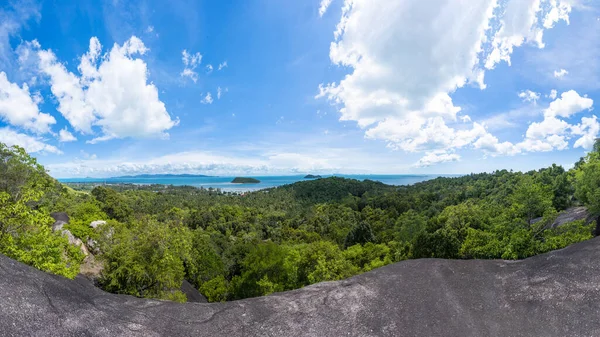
(75, 241)
(95, 224)
(93, 246)
(58, 225)
(568, 215)
(60, 216)
(554, 294)
(60, 219)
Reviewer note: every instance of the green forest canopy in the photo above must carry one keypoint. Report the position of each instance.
(237, 246)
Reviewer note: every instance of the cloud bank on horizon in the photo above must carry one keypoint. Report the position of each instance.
(397, 86)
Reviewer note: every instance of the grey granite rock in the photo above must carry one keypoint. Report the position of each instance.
(567, 216)
(192, 294)
(60, 216)
(58, 225)
(555, 294)
(97, 223)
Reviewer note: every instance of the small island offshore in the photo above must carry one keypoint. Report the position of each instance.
(244, 180)
(312, 176)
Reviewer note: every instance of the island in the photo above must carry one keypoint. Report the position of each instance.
(312, 176)
(244, 180)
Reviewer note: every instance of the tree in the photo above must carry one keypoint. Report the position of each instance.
(359, 234)
(145, 259)
(531, 199)
(587, 184)
(113, 203)
(25, 231)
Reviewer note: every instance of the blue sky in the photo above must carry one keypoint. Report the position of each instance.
(104, 88)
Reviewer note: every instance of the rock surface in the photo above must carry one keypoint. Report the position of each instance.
(568, 215)
(192, 294)
(60, 216)
(555, 294)
(60, 219)
(97, 223)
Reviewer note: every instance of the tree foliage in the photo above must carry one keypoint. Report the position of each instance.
(25, 228)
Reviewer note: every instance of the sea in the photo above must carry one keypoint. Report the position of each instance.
(224, 182)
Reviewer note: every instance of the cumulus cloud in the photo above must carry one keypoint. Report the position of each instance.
(552, 133)
(560, 73)
(31, 144)
(190, 63)
(112, 92)
(401, 77)
(518, 26)
(207, 99)
(559, 10)
(209, 68)
(588, 130)
(19, 108)
(553, 94)
(529, 96)
(275, 160)
(222, 65)
(323, 7)
(434, 158)
(569, 103)
(65, 136)
(520, 23)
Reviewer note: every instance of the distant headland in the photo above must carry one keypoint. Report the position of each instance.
(312, 176)
(245, 180)
(163, 176)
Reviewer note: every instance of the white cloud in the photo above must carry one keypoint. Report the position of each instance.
(222, 65)
(207, 99)
(519, 24)
(190, 62)
(552, 133)
(323, 7)
(559, 10)
(221, 91)
(150, 29)
(19, 108)
(588, 130)
(434, 158)
(65, 136)
(560, 73)
(553, 94)
(321, 159)
(401, 78)
(112, 93)
(30, 144)
(568, 104)
(67, 89)
(13, 16)
(209, 68)
(529, 96)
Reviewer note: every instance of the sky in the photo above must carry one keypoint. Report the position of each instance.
(269, 87)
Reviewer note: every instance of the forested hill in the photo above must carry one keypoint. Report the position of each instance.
(232, 246)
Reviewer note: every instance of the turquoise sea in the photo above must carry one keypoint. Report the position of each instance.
(224, 183)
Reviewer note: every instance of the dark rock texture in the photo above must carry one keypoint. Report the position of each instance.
(555, 294)
(60, 216)
(192, 294)
(568, 215)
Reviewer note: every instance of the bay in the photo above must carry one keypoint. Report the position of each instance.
(224, 183)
